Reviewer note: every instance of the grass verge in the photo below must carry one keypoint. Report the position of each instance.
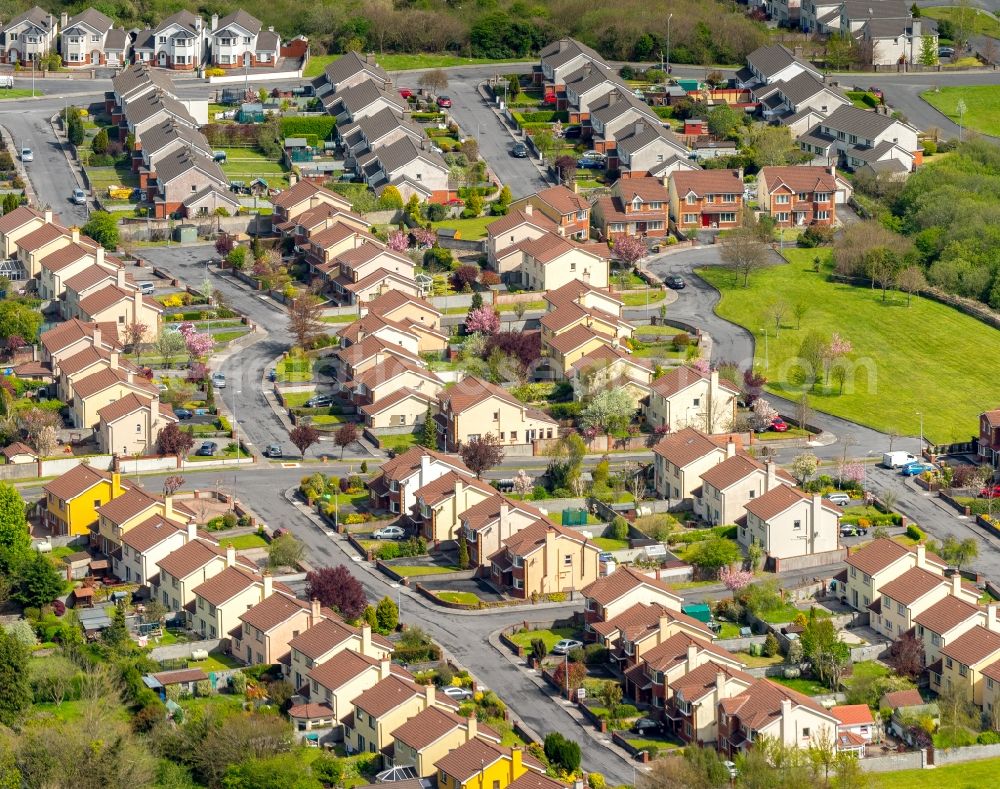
(982, 105)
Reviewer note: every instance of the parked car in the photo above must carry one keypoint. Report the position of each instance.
(566, 645)
(519, 150)
(588, 163)
(851, 531)
(573, 132)
(319, 401)
(27, 155)
(273, 451)
(840, 499)
(675, 282)
(731, 767)
(605, 556)
(646, 726)
(897, 459)
(991, 491)
(779, 425)
(877, 92)
(459, 694)
(389, 533)
(272, 374)
(79, 197)
(219, 380)
(916, 468)
(946, 52)
(405, 92)
(550, 99)
(182, 413)
(207, 449)
(444, 102)
(147, 288)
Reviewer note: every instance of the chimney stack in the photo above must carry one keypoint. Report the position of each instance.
(97, 336)
(168, 501)
(516, 766)
(268, 585)
(120, 276)
(720, 686)
(956, 584)
(114, 361)
(730, 447)
(921, 556)
(74, 234)
(425, 468)
(692, 656)
(832, 169)
(640, 127)
(215, 21)
(315, 611)
(471, 727)
(384, 668)
(48, 216)
(429, 695)
(63, 19)
(770, 476)
(528, 209)
(230, 555)
(192, 531)
(99, 255)
(786, 714)
(366, 640)
(991, 618)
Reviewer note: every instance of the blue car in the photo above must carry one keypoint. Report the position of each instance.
(182, 413)
(590, 164)
(916, 469)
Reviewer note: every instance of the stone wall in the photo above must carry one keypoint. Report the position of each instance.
(910, 760)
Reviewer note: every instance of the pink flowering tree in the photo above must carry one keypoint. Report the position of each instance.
(199, 345)
(837, 352)
(398, 241)
(735, 580)
(424, 238)
(523, 483)
(482, 320)
(851, 471)
(701, 365)
(762, 415)
(628, 249)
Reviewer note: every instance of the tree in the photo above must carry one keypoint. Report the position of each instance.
(744, 253)
(544, 141)
(957, 552)
(463, 550)
(483, 320)
(566, 167)
(911, 280)
(134, 334)
(99, 144)
(169, 345)
(225, 244)
(303, 437)
(629, 249)
(610, 411)
(482, 454)
(175, 441)
(285, 551)
(281, 771)
(770, 146)
(38, 583)
(928, 51)
(434, 81)
(776, 312)
(566, 461)
(103, 228)
(762, 415)
(15, 682)
(724, 121)
(804, 466)
(735, 580)
(799, 310)
(881, 267)
(336, 588)
(713, 554)
(19, 319)
(15, 539)
(172, 484)
(398, 241)
(346, 435)
(906, 655)
(199, 345)
(755, 554)
(428, 434)
(387, 615)
(823, 648)
(116, 635)
(304, 322)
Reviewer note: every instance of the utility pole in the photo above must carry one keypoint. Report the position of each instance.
(671, 16)
(920, 448)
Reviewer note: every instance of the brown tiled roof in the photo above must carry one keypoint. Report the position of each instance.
(386, 695)
(302, 191)
(680, 378)
(852, 714)
(904, 698)
(100, 300)
(686, 446)
(272, 611)
(370, 324)
(706, 182)
(76, 481)
(311, 711)
(396, 397)
(992, 417)
(226, 585)
(131, 503)
(18, 448)
(649, 190)
(90, 276)
(20, 216)
(405, 464)
(334, 673)
(527, 541)
(150, 532)
(103, 379)
(61, 258)
(428, 726)
(605, 355)
(947, 613)
(775, 502)
(517, 217)
(912, 585)
(799, 179)
(623, 580)
(129, 404)
(324, 636)
(974, 646)
(190, 557)
(394, 299)
(877, 555)
(488, 511)
(534, 780)
(700, 682)
(338, 231)
(569, 341)
(472, 390)
(87, 357)
(673, 651)
(760, 705)
(468, 759)
(181, 675)
(571, 292)
(641, 619)
(563, 199)
(992, 671)
(45, 234)
(371, 346)
(444, 486)
(73, 330)
(731, 470)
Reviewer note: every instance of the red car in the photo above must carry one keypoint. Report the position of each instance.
(991, 492)
(779, 425)
(550, 98)
(444, 102)
(405, 92)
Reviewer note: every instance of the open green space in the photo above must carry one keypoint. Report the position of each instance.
(390, 62)
(969, 775)
(294, 369)
(244, 542)
(651, 743)
(808, 687)
(16, 93)
(610, 544)
(468, 229)
(408, 571)
(462, 598)
(728, 629)
(982, 23)
(296, 399)
(399, 443)
(982, 105)
(339, 318)
(71, 711)
(900, 368)
(523, 638)
(651, 296)
(216, 661)
(245, 164)
(101, 178)
(223, 702)
(759, 661)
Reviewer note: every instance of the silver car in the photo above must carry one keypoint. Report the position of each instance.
(79, 197)
(219, 380)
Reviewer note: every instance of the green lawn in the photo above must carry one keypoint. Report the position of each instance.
(339, 318)
(659, 350)
(225, 337)
(400, 443)
(102, 177)
(727, 629)
(317, 63)
(463, 598)
(758, 661)
(244, 541)
(901, 368)
(296, 399)
(642, 299)
(528, 306)
(216, 661)
(409, 571)
(469, 229)
(523, 638)
(294, 369)
(245, 164)
(660, 743)
(610, 544)
(68, 712)
(784, 613)
(222, 454)
(982, 105)
(808, 687)
(17, 93)
(984, 24)
(969, 775)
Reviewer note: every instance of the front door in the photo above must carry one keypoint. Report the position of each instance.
(706, 220)
(162, 60)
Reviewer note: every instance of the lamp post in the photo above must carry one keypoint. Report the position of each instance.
(920, 447)
(669, 17)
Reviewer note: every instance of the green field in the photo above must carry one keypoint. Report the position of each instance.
(808, 687)
(18, 93)
(244, 541)
(462, 598)
(317, 63)
(970, 775)
(610, 544)
(523, 638)
(907, 359)
(984, 24)
(469, 229)
(982, 106)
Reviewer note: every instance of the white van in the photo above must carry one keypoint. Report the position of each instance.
(897, 459)
(146, 288)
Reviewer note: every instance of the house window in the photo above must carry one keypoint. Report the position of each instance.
(690, 219)
(782, 216)
(963, 669)
(796, 525)
(805, 731)
(513, 435)
(691, 199)
(803, 196)
(568, 560)
(496, 416)
(727, 217)
(948, 663)
(822, 214)
(854, 572)
(696, 402)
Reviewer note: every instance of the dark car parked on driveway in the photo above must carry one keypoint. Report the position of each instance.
(519, 150)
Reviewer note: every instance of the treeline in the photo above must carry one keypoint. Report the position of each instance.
(701, 32)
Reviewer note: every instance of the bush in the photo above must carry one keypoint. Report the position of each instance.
(914, 532)
(595, 654)
(771, 646)
(436, 212)
(618, 529)
(930, 148)
(562, 752)
(988, 737)
(682, 340)
(297, 126)
(565, 410)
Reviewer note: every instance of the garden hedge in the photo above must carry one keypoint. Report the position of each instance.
(296, 126)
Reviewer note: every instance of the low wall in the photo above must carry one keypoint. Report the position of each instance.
(176, 651)
(461, 244)
(794, 563)
(947, 498)
(739, 644)
(272, 76)
(867, 652)
(909, 760)
(972, 753)
(143, 229)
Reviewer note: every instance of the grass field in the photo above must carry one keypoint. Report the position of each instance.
(610, 544)
(524, 638)
(463, 598)
(970, 775)
(468, 229)
(984, 24)
(317, 63)
(245, 164)
(641, 299)
(982, 105)
(18, 93)
(244, 541)
(808, 687)
(901, 366)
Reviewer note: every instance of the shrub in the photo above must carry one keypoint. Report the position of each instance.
(215, 72)
(914, 532)
(816, 235)
(562, 752)
(565, 410)
(930, 148)
(988, 737)
(618, 529)
(229, 520)
(436, 212)
(595, 654)
(771, 646)
(596, 781)
(682, 340)
(576, 655)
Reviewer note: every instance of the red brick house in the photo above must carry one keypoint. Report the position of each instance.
(706, 198)
(567, 209)
(637, 207)
(989, 437)
(798, 196)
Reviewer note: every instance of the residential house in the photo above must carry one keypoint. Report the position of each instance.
(209, 201)
(178, 42)
(989, 434)
(412, 167)
(615, 111)
(105, 387)
(369, 268)
(519, 224)
(773, 63)
(911, 593)
(474, 407)
(663, 170)
(181, 174)
(964, 663)
(18, 223)
(162, 138)
(404, 407)
(706, 199)
(441, 502)
(349, 70)
(89, 280)
(386, 706)
(238, 39)
(132, 425)
(72, 499)
(315, 220)
(855, 14)
(395, 487)
(855, 727)
(266, 629)
(387, 378)
(545, 559)
(767, 709)
(186, 568)
(219, 601)
(82, 38)
(324, 243)
(614, 594)
(353, 103)
(327, 639)
(636, 207)
(947, 619)
(879, 562)
(33, 247)
(304, 196)
(355, 359)
(648, 678)
(562, 58)
(636, 630)
(68, 338)
(798, 196)
(117, 47)
(411, 314)
(132, 82)
(58, 266)
(858, 138)
(153, 108)
(786, 522)
(729, 486)
(133, 507)
(383, 329)
(488, 523)
(790, 103)
(373, 132)
(28, 36)
(643, 147)
(586, 86)
(89, 360)
(432, 734)
(550, 261)
(991, 689)
(890, 42)
(693, 710)
(820, 16)
(143, 546)
(786, 12)
(482, 764)
(686, 397)
(611, 367)
(580, 320)
(564, 207)
(123, 305)
(680, 460)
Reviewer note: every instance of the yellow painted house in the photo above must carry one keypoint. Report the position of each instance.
(72, 500)
(480, 764)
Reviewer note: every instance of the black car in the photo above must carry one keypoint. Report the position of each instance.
(207, 449)
(182, 413)
(573, 132)
(674, 282)
(519, 151)
(319, 401)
